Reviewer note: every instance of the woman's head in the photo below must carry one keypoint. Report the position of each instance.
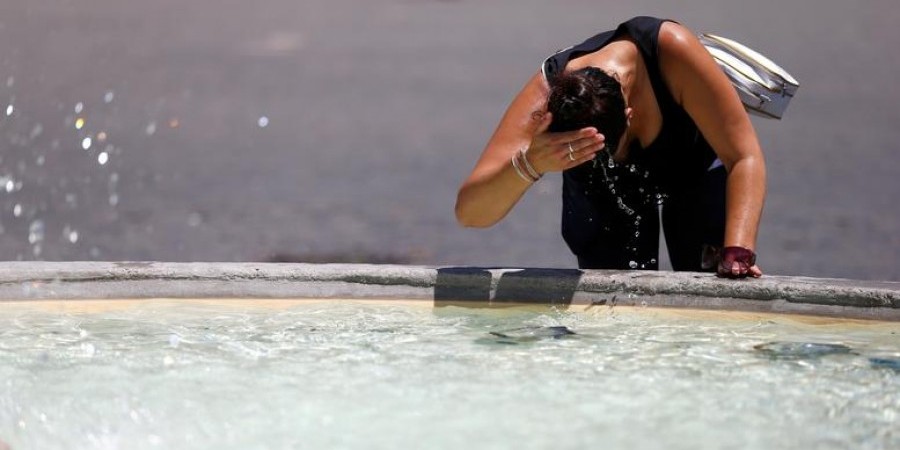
(588, 97)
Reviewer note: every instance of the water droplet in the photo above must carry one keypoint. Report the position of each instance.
(10, 81)
(79, 107)
(637, 234)
(151, 128)
(632, 169)
(263, 122)
(86, 143)
(10, 185)
(113, 178)
(36, 232)
(174, 122)
(101, 136)
(194, 219)
(652, 260)
(70, 235)
(168, 360)
(113, 199)
(36, 131)
(17, 210)
(108, 97)
(9, 110)
(37, 249)
(632, 264)
(102, 158)
(79, 123)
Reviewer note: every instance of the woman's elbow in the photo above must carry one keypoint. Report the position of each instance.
(467, 218)
(469, 221)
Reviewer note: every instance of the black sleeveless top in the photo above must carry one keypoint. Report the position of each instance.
(607, 200)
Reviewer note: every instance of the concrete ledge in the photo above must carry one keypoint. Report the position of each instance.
(469, 286)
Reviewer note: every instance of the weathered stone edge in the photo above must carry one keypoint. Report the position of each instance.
(81, 280)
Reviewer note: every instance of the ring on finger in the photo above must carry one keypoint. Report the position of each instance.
(571, 152)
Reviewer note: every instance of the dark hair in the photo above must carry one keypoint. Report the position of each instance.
(588, 97)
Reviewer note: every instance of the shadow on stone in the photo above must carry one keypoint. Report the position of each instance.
(472, 287)
(538, 286)
(462, 286)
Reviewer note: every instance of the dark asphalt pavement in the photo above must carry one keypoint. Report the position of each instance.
(224, 130)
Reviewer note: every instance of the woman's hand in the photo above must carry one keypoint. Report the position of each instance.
(494, 187)
(738, 262)
(555, 152)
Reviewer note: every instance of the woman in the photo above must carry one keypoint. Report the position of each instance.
(634, 118)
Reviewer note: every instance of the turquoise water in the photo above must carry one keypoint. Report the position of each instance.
(231, 375)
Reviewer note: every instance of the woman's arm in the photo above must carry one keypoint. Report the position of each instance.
(700, 86)
(493, 187)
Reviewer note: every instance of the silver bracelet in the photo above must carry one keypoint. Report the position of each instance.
(519, 171)
(534, 173)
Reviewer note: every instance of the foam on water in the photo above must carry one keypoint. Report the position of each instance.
(231, 375)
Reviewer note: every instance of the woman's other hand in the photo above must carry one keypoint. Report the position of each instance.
(738, 262)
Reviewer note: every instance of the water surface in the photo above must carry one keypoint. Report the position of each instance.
(260, 375)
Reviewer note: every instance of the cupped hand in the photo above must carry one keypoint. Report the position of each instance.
(555, 152)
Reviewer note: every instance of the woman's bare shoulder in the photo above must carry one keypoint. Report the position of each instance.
(675, 37)
(683, 60)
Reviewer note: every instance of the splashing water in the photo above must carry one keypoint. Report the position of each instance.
(632, 191)
(44, 185)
